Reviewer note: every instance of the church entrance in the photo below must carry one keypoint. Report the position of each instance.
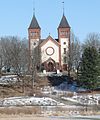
(50, 67)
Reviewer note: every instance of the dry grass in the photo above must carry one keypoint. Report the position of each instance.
(23, 88)
(40, 111)
(21, 110)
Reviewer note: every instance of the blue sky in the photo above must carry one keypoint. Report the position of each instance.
(82, 15)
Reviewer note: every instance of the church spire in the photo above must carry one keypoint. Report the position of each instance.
(34, 23)
(63, 23)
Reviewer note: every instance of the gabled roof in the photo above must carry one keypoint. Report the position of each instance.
(64, 23)
(34, 24)
(50, 59)
(49, 38)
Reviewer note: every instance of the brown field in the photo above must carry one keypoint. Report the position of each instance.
(23, 88)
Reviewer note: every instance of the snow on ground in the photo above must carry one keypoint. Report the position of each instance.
(84, 99)
(9, 79)
(29, 101)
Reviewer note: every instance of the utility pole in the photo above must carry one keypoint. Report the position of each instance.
(32, 74)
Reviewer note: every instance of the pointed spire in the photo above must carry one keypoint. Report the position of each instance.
(64, 23)
(34, 24)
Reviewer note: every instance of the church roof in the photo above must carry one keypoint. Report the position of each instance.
(64, 23)
(47, 39)
(34, 24)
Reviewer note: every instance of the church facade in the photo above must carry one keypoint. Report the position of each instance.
(53, 51)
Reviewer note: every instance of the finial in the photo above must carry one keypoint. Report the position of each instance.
(49, 33)
(33, 7)
(33, 11)
(63, 7)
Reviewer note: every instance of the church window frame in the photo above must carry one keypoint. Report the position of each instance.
(49, 54)
(65, 59)
(64, 43)
(64, 50)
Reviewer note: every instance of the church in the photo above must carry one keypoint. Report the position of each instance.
(53, 51)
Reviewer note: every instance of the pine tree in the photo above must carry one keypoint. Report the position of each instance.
(89, 69)
(99, 66)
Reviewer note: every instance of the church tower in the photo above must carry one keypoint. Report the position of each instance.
(64, 40)
(34, 33)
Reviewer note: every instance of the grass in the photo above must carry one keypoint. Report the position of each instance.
(21, 110)
(22, 88)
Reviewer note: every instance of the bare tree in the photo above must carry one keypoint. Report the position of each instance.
(92, 39)
(35, 58)
(5, 45)
(15, 54)
(74, 54)
(1, 58)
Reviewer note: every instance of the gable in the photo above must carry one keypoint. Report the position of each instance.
(51, 40)
(50, 49)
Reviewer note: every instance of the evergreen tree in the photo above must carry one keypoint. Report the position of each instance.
(89, 69)
(99, 66)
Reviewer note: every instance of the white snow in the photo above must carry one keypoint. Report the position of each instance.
(84, 99)
(9, 79)
(29, 101)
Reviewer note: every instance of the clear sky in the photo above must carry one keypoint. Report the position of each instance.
(82, 15)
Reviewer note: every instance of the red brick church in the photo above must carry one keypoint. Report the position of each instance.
(53, 51)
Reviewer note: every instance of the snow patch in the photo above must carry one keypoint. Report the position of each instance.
(29, 101)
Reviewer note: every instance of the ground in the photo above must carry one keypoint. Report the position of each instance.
(32, 117)
(22, 88)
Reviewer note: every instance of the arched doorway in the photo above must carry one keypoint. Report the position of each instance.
(50, 67)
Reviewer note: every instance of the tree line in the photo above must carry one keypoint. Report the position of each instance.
(83, 58)
(14, 54)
